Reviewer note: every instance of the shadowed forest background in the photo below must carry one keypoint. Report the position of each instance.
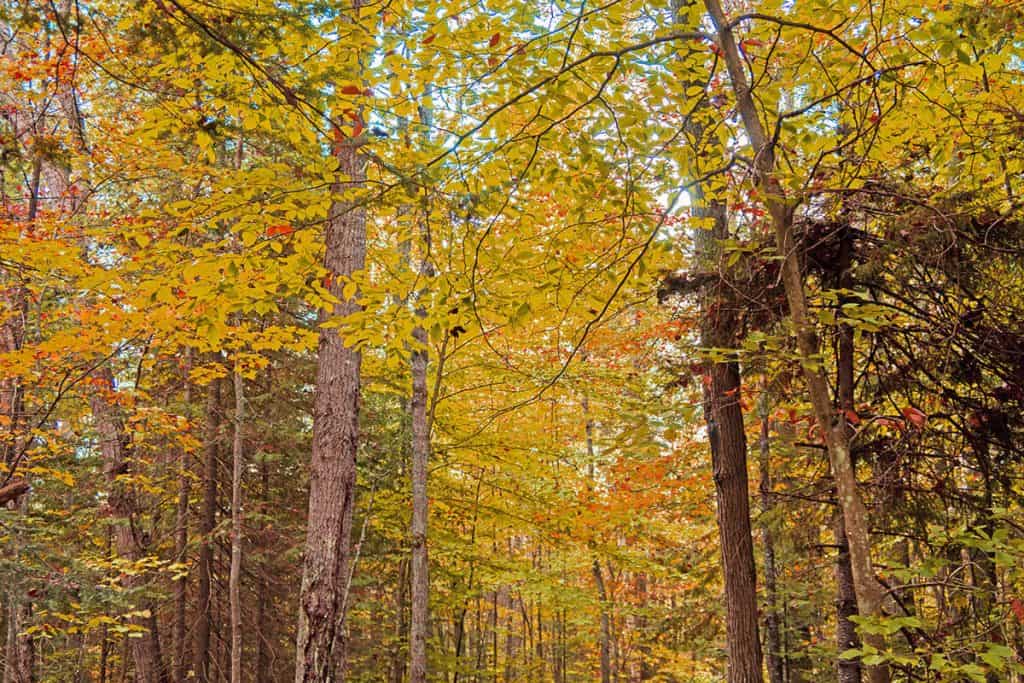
(497, 341)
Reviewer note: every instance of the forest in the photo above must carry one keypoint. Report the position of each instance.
(491, 341)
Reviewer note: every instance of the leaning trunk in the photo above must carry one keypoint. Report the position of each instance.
(870, 593)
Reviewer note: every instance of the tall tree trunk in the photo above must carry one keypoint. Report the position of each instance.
(849, 670)
(207, 522)
(606, 624)
(870, 593)
(179, 632)
(130, 542)
(321, 639)
(235, 576)
(605, 643)
(264, 652)
(774, 656)
(727, 439)
(420, 458)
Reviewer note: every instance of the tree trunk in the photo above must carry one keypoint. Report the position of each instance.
(235, 577)
(870, 593)
(321, 639)
(606, 627)
(727, 440)
(774, 656)
(129, 541)
(207, 522)
(849, 670)
(179, 632)
(420, 459)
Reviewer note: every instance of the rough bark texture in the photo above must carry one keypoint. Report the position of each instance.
(849, 670)
(420, 460)
(729, 461)
(321, 641)
(870, 594)
(727, 439)
(207, 521)
(235, 576)
(130, 542)
(773, 627)
(179, 631)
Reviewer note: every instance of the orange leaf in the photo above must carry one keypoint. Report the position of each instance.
(282, 229)
(852, 416)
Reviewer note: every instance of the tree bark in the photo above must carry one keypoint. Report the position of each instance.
(420, 459)
(849, 670)
(773, 635)
(207, 522)
(728, 443)
(605, 619)
(179, 632)
(235, 576)
(130, 542)
(321, 639)
(870, 593)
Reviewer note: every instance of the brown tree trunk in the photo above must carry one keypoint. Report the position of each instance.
(729, 462)
(179, 632)
(235, 576)
(870, 593)
(728, 442)
(420, 459)
(207, 522)
(773, 635)
(321, 639)
(606, 624)
(130, 542)
(849, 670)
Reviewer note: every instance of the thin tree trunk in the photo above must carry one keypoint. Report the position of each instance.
(772, 627)
(207, 522)
(179, 632)
(129, 541)
(606, 624)
(321, 638)
(870, 593)
(605, 643)
(420, 459)
(235, 577)
(264, 651)
(849, 670)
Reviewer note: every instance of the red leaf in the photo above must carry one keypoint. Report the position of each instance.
(852, 416)
(429, 39)
(495, 39)
(915, 416)
(351, 90)
(282, 229)
(1018, 609)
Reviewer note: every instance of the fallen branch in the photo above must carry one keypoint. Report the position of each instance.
(13, 490)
